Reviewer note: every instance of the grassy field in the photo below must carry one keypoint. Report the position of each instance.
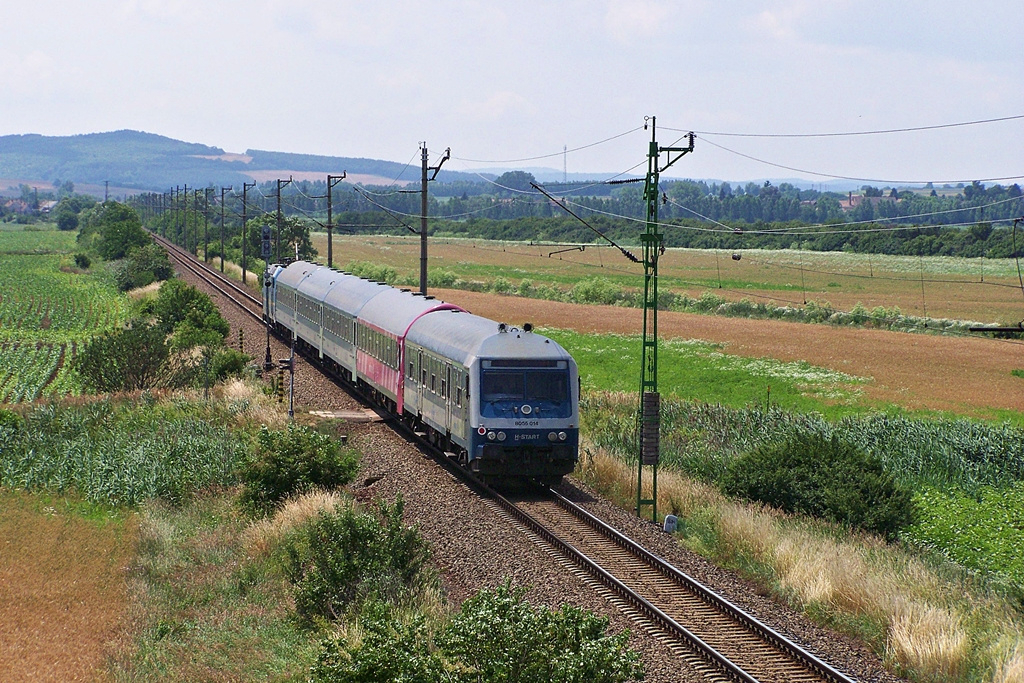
(982, 290)
(47, 308)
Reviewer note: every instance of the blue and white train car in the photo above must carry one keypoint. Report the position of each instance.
(507, 398)
(504, 400)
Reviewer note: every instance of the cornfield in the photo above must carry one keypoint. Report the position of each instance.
(46, 311)
(115, 457)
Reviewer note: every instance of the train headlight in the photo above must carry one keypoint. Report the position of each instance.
(501, 436)
(552, 436)
(527, 409)
(490, 436)
(561, 436)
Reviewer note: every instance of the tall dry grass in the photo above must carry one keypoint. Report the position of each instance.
(250, 403)
(937, 624)
(260, 537)
(234, 271)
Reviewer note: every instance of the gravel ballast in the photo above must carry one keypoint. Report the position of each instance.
(474, 545)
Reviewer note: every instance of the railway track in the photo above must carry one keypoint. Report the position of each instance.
(714, 636)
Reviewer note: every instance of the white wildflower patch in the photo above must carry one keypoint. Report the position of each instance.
(819, 381)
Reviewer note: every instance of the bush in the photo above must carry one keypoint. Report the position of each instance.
(388, 650)
(374, 271)
(190, 315)
(295, 460)
(228, 363)
(504, 638)
(82, 261)
(823, 477)
(497, 636)
(344, 556)
(124, 360)
(596, 291)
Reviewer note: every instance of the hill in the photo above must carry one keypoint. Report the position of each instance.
(145, 161)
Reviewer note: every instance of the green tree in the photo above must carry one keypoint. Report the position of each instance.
(66, 217)
(113, 229)
(124, 360)
(515, 181)
(188, 316)
(294, 233)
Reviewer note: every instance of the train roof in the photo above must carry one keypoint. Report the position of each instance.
(464, 337)
(295, 272)
(394, 310)
(350, 293)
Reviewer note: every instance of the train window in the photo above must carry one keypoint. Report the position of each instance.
(444, 387)
(502, 385)
(458, 396)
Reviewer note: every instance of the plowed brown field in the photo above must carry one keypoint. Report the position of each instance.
(62, 591)
(962, 375)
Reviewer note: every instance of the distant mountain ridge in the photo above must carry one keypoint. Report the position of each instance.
(146, 161)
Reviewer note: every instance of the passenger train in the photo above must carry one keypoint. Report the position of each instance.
(502, 400)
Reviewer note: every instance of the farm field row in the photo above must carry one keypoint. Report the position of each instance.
(981, 290)
(47, 309)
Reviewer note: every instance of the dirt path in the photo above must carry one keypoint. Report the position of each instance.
(964, 375)
(62, 590)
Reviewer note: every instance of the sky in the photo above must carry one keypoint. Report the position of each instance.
(567, 84)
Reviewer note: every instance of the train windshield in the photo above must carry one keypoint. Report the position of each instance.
(504, 392)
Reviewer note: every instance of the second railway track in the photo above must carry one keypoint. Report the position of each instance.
(708, 631)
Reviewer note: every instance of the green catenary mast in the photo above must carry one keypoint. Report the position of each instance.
(649, 414)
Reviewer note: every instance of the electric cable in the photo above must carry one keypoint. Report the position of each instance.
(855, 133)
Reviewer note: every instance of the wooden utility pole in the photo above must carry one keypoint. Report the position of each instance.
(423, 211)
(280, 219)
(332, 180)
(245, 204)
(222, 191)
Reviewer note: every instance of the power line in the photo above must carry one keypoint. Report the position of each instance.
(845, 177)
(553, 154)
(854, 133)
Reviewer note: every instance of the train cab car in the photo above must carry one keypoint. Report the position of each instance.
(509, 397)
(270, 292)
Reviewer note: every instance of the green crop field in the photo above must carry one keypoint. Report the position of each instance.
(47, 309)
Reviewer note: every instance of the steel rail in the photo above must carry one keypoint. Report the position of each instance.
(707, 595)
(694, 643)
(217, 280)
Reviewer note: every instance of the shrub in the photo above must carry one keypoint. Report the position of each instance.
(441, 278)
(124, 360)
(497, 636)
(501, 637)
(82, 261)
(374, 271)
(190, 315)
(389, 650)
(344, 556)
(294, 460)
(228, 363)
(823, 477)
(596, 291)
